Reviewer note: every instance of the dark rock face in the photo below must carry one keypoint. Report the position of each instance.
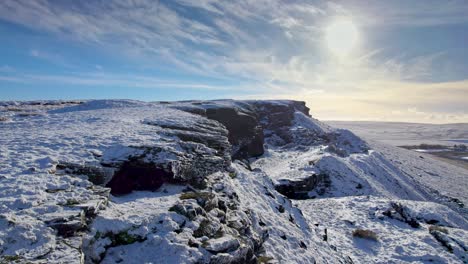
(245, 132)
(276, 114)
(248, 121)
(134, 175)
(299, 188)
(277, 117)
(205, 150)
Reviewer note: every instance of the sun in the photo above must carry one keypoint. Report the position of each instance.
(341, 37)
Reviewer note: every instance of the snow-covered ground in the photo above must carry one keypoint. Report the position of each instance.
(396, 241)
(51, 213)
(410, 134)
(367, 184)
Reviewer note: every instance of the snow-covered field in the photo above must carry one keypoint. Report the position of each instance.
(59, 160)
(410, 134)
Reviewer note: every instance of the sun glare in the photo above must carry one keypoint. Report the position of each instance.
(341, 37)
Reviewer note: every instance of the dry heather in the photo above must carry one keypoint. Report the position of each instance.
(366, 234)
(434, 228)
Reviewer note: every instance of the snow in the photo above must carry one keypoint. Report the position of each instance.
(145, 215)
(430, 150)
(384, 174)
(30, 148)
(284, 239)
(168, 250)
(136, 209)
(399, 134)
(440, 179)
(101, 104)
(397, 241)
(364, 178)
(222, 244)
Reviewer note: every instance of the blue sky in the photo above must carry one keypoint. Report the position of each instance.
(408, 60)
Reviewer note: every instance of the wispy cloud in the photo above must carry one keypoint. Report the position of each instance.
(247, 38)
(405, 13)
(274, 46)
(114, 80)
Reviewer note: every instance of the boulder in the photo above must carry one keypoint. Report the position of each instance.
(223, 244)
(244, 254)
(299, 188)
(187, 208)
(66, 223)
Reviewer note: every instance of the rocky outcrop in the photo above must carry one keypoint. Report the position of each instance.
(401, 213)
(76, 215)
(225, 130)
(191, 151)
(67, 223)
(225, 229)
(206, 199)
(248, 122)
(210, 221)
(245, 132)
(277, 118)
(299, 188)
(137, 175)
(98, 175)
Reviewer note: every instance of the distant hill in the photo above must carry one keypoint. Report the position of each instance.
(398, 133)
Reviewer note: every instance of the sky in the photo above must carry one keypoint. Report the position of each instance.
(349, 60)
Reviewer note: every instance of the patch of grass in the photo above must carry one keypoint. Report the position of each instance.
(434, 228)
(71, 202)
(10, 259)
(264, 259)
(174, 208)
(196, 195)
(124, 238)
(366, 234)
(233, 175)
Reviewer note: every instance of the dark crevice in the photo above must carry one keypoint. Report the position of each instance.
(136, 175)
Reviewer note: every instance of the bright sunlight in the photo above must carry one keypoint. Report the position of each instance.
(341, 37)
